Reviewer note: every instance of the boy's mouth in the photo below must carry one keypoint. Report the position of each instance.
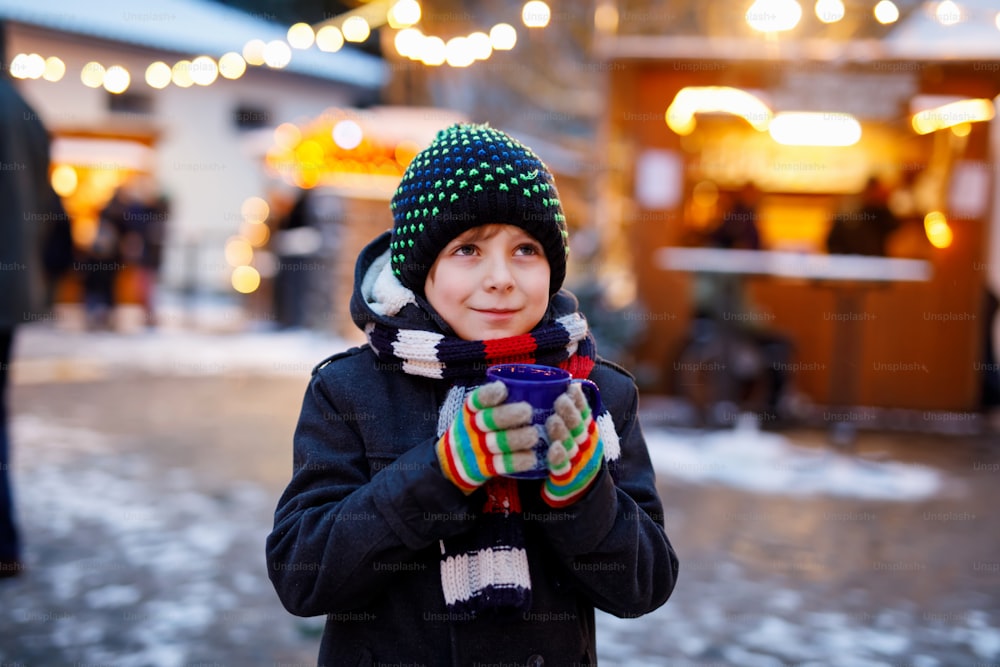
(497, 313)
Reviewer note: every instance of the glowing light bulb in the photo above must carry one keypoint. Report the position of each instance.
(535, 14)
(330, 39)
(158, 75)
(503, 36)
(301, 36)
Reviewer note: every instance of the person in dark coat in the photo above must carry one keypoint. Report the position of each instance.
(30, 209)
(866, 229)
(402, 523)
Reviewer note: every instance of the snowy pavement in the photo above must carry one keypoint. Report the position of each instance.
(145, 517)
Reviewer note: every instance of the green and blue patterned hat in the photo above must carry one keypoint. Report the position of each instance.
(473, 175)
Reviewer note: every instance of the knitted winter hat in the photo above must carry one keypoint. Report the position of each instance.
(473, 175)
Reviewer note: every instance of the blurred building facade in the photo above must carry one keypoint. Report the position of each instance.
(203, 143)
(693, 88)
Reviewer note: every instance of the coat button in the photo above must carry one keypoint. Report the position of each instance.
(536, 661)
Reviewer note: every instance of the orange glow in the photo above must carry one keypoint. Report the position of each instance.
(938, 231)
(318, 151)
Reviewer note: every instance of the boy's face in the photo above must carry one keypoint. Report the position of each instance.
(490, 282)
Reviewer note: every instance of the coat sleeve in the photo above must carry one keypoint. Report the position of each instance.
(612, 541)
(342, 531)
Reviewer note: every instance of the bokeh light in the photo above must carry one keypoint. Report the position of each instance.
(301, 36)
(330, 39)
(158, 75)
(117, 79)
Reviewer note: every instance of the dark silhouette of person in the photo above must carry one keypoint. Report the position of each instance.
(865, 229)
(30, 206)
(739, 227)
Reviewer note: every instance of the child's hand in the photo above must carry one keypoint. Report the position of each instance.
(576, 451)
(487, 439)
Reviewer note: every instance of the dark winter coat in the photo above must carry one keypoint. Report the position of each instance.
(28, 208)
(356, 533)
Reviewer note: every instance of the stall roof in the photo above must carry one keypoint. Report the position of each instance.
(192, 27)
(922, 37)
(919, 36)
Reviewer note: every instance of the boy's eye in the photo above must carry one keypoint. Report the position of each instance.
(528, 249)
(465, 250)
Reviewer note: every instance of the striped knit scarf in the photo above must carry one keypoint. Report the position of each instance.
(485, 569)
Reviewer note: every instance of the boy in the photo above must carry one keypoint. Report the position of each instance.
(401, 522)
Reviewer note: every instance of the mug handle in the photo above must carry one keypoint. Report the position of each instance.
(593, 395)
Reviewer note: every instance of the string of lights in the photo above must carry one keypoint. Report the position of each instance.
(411, 42)
(329, 36)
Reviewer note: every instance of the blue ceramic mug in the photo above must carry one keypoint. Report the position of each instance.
(540, 386)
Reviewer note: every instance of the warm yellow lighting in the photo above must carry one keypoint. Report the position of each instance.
(773, 15)
(255, 234)
(287, 135)
(433, 51)
(19, 66)
(405, 151)
(255, 210)
(309, 154)
(64, 180)
(950, 115)
(356, 29)
(480, 45)
(606, 17)
(277, 54)
(330, 39)
(239, 252)
(407, 42)
(815, 128)
(503, 36)
(535, 14)
(962, 129)
(404, 14)
(92, 75)
(158, 75)
(458, 52)
(117, 79)
(680, 115)
(347, 134)
(948, 13)
(886, 12)
(204, 71)
(232, 65)
(245, 279)
(829, 11)
(938, 231)
(705, 194)
(253, 52)
(301, 36)
(180, 74)
(55, 69)
(27, 66)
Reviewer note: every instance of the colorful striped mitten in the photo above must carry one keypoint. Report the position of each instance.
(576, 451)
(487, 438)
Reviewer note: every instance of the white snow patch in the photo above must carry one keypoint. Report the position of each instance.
(770, 463)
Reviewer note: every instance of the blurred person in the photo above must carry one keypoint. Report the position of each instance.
(864, 228)
(29, 208)
(102, 262)
(739, 226)
(727, 323)
(143, 229)
(297, 242)
(401, 523)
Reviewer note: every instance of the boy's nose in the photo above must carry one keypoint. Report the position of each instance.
(498, 275)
